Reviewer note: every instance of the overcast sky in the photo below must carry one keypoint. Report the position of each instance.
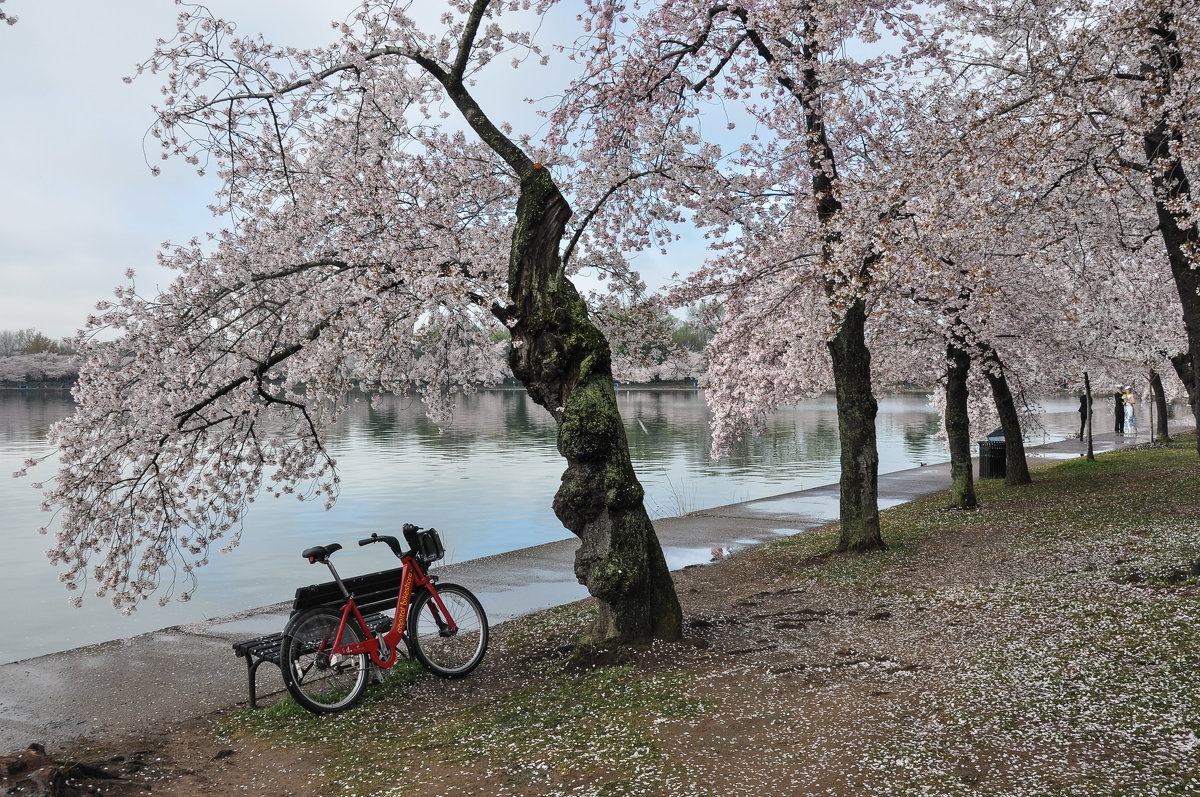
(78, 205)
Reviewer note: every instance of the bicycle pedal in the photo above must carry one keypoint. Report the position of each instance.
(385, 652)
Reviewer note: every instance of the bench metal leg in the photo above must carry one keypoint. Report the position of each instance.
(251, 669)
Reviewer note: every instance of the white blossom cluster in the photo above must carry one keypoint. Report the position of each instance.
(976, 176)
(369, 248)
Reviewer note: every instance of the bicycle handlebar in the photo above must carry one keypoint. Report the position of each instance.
(392, 542)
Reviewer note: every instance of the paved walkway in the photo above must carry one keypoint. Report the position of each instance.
(178, 673)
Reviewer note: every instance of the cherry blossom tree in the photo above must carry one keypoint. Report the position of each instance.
(796, 209)
(1114, 83)
(972, 278)
(1023, 253)
(383, 223)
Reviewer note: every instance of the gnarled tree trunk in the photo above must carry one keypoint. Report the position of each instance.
(565, 363)
(566, 366)
(1181, 241)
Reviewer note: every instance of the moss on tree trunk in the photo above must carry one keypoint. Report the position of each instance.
(856, 409)
(565, 363)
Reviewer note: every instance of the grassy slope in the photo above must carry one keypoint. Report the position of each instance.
(1078, 675)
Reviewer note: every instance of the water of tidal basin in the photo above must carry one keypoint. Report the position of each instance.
(487, 483)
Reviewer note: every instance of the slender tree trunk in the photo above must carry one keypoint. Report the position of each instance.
(1172, 191)
(1010, 419)
(1160, 407)
(565, 363)
(1087, 386)
(958, 428)
(856, 409)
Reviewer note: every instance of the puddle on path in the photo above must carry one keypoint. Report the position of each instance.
(819, 507)
(529, 598)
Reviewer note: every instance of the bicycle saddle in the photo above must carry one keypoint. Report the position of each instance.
(319, 553)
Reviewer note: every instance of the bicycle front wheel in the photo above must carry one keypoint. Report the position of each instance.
(442, 652)
(320, 680)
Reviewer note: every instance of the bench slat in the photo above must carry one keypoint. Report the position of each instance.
(261, 647)
(372, 592)
(268, 647)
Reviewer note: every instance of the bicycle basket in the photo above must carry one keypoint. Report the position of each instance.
(429, 546)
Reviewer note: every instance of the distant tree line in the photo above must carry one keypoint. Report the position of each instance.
(29, 357)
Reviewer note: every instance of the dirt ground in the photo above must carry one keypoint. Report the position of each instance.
(798, 678)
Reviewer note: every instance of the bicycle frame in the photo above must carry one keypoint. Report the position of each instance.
(411, 577)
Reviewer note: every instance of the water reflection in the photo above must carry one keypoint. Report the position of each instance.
(487, 482)
(27, 415)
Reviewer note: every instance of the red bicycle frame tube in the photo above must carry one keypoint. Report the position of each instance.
(411, 577)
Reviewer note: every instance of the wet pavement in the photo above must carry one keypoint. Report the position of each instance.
(118, 688)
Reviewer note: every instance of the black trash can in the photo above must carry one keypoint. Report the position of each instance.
(993, 456)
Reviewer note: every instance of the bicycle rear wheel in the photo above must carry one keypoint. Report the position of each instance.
(443, 653)
(321, 681)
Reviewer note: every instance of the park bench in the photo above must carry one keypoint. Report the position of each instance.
(375, 594)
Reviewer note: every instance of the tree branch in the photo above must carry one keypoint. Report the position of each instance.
(596, 208)
(185, 415)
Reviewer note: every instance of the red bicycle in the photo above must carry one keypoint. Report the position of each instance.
(327, 654)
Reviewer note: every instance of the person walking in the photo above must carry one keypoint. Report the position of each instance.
(1119, 410)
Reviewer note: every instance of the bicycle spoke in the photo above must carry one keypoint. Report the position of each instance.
(442, 651)
(320, 680)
